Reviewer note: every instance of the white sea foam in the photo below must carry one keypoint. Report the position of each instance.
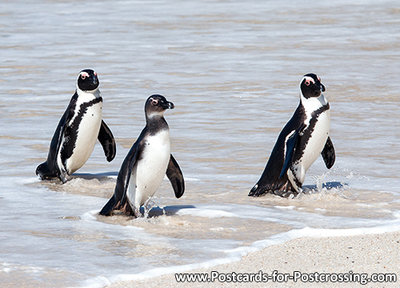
(209, 213)
(285, 207)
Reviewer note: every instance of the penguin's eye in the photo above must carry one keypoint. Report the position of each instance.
(308, 81)
(84, 75)
(154, 102)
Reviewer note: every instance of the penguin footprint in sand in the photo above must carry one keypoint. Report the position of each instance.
(77, 131)
(303, 138)
(147, 162)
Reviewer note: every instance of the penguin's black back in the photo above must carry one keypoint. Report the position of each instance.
(49, 169)
(270, 180)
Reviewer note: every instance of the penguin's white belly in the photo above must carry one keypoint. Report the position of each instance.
(87, 135)
(150, 169)
(314, 146)
(317, 140)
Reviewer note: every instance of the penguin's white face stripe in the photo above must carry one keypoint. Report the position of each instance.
(154, 101)
(84, 75)
(308, 81)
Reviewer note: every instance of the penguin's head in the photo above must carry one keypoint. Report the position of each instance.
(311, 86)
(156, 106)
(87, 80)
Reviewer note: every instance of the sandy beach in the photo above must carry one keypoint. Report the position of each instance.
(377, 253)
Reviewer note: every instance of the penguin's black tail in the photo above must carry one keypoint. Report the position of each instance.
(258, 190)
(44, 172)
(109, 207)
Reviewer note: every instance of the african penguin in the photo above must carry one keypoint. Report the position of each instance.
(147, 162)
(303, 138)
(77, 131)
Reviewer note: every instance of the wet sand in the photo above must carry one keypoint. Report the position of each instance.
(373, 253)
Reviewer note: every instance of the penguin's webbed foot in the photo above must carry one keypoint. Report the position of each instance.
(63, 179)
(63, 176)
(125, 209)
(136, 212)
(286, 191)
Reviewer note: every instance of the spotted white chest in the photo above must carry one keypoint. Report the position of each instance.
(317, 140)
(87, 134)
(150, 169)
(315, 143)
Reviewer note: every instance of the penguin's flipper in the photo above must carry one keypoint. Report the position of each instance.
(175, 176)
(290, 144)
(106, 139)
(123, 178)
(328, 153)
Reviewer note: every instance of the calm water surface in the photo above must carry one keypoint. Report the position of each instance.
(232, 70)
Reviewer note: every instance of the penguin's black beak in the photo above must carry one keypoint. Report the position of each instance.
(322, 88)
(167, 105)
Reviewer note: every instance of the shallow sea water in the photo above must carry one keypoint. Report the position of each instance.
(232, 70)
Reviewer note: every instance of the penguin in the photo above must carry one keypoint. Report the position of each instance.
(146, 163)
(81, 124)
(303, 138)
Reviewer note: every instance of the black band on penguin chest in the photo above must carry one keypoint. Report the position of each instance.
(71, 131)
(306, 134)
